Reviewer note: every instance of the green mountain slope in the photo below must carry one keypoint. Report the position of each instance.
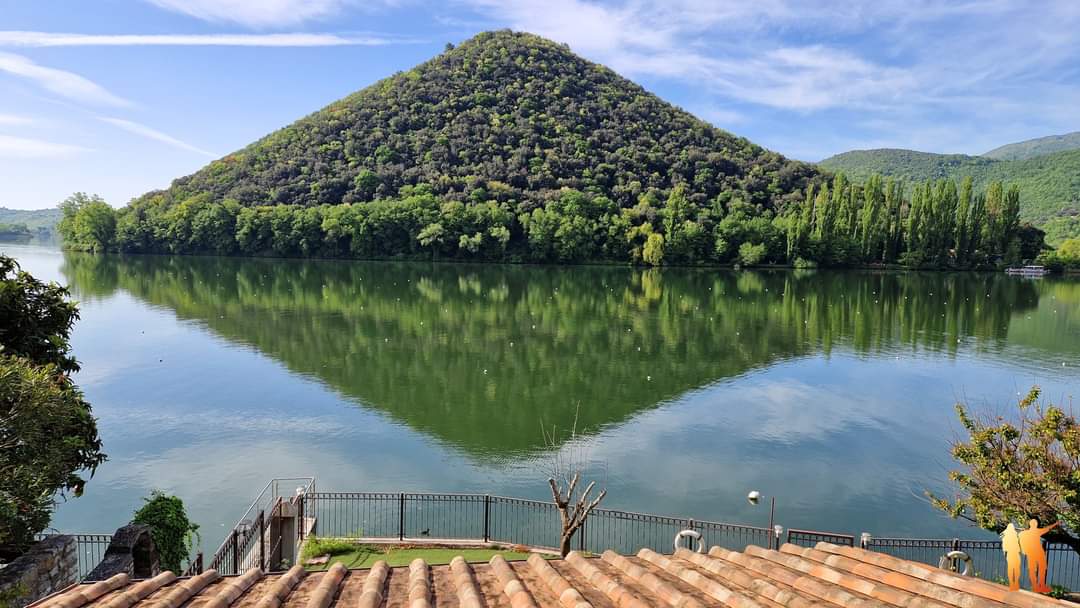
(31, 218)
(1036, 147)
(1049, 184)
(511, 115)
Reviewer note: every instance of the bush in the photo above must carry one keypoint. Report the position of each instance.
(316, 546)
(174, 534)
(751, 254)
(802, 263)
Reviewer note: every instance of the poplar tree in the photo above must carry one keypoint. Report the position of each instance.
(873, 199)
(994, 230)
(963, 210)
(823, 214)
(894, 200)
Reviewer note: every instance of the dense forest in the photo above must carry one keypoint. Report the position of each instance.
(511, 148)
(939, 224)
(1050, 181)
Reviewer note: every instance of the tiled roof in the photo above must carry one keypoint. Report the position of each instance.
(827, 575)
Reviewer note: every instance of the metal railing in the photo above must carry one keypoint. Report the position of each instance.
(987, 558)
(514, 521)
(249, 545)
(809, 538)
(481, 518)
(90, 548)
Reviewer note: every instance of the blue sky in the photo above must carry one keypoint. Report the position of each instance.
(121, 96)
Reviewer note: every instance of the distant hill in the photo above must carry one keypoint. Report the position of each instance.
(1049, 183)
(1036, 147)
(31, 218)
(40, 223)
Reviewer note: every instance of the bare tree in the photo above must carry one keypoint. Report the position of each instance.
(565, 475)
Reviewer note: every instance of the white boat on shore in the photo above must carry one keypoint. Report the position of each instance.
(1028, 271)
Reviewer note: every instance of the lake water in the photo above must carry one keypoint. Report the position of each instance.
(832, 391)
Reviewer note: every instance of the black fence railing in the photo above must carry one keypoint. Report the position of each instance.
(809, 538)
(91, 549)
(410, 517)
(987, 559)
(195, 565)
(514, 521)
(256, 540)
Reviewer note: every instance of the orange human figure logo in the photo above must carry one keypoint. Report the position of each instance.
(1030, 544)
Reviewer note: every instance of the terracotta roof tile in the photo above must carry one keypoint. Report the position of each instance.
(796, 577)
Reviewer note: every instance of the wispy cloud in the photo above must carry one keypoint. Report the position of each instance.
(23, 148)
(14, 120)
(914, 63)
(150, 133)
(63, 83)
(255, 13)
(299, 39)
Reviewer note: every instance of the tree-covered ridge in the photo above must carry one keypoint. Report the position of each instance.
(25, 224)
(1050, 182)
(940, 225)
(1036, 147)
(511, 148)
(34, 219)
(508, 117)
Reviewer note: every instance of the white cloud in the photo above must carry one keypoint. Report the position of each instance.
(255, 13)
(60, 82)
(299, 39)
(23, 148)
(13, 120)
(979, 68)
(145, 131)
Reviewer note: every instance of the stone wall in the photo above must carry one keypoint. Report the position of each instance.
(131, 552)
(48, 566)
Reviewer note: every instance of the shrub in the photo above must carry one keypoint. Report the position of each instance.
(316, 546)
(174, 534)
(751, 254)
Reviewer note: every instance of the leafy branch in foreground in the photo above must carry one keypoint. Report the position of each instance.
(1017, 470)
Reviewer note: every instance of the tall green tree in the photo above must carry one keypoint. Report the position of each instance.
(873, 228)
(87, 222)
(1018, 468)
(48, 436)
(961, 236)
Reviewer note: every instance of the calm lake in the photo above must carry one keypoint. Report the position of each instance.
(832, 391)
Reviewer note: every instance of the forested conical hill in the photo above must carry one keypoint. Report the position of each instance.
(504, 116)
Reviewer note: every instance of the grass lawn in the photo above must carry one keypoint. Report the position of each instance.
(365, 556)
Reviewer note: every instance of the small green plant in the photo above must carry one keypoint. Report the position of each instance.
(1059, 592)
(174, 534)
(316, 546)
